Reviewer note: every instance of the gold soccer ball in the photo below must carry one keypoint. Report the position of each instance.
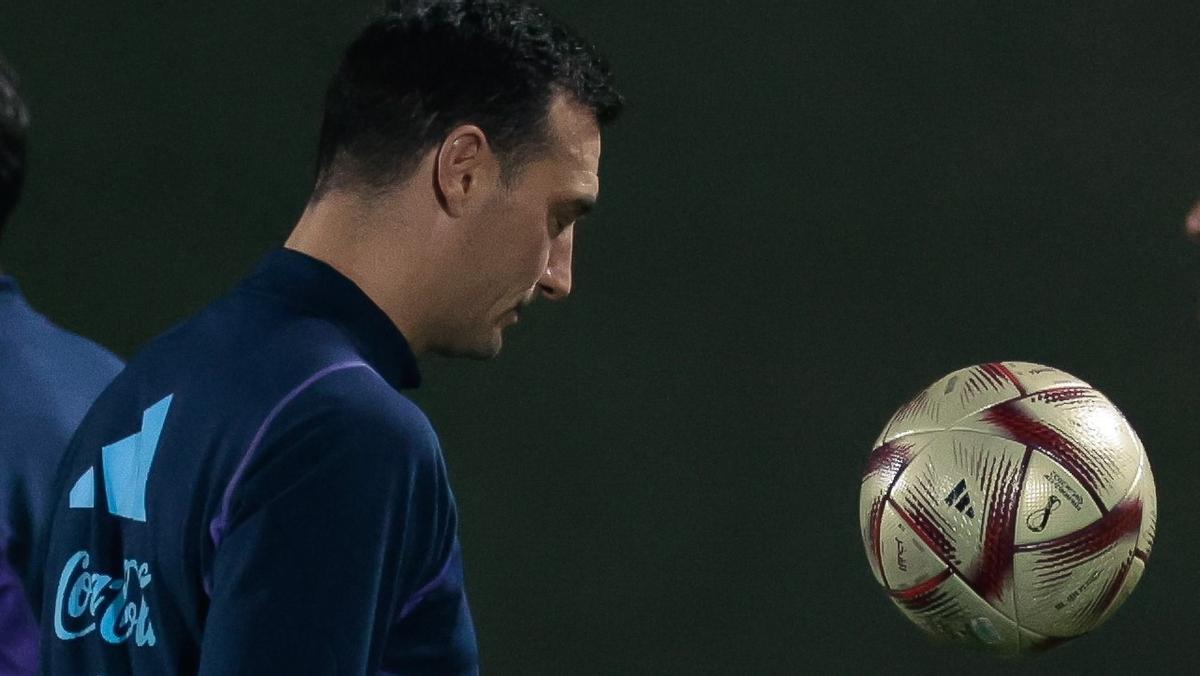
(1008, 505)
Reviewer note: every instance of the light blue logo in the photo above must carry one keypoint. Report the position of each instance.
(126, 466)
(117, 602)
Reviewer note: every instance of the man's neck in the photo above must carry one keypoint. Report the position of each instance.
(348, 235)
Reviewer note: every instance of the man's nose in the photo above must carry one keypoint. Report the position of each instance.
(1193, 223)
(555, 282)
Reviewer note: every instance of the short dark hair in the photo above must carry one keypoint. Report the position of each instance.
(426, 66)
(14, 124)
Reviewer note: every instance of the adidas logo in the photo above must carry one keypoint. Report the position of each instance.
(125, 467)
(964, 503)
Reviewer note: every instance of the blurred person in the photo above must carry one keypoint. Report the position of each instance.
(254, 495)
(48, 378)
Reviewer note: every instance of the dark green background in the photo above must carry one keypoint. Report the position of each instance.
(809, 212)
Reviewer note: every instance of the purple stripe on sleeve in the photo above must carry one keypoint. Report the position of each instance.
(421, 593)
(216, 527)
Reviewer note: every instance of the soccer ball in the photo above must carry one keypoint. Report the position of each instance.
(1009, 506)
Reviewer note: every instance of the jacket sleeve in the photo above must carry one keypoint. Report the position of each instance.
(334, 527)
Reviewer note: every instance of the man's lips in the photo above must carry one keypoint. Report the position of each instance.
(517, 310)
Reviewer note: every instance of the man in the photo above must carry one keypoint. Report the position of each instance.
(253, 495)
(48, 378)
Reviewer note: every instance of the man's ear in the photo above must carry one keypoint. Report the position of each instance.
(462, 168)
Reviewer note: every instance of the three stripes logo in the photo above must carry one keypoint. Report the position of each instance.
(959, 493)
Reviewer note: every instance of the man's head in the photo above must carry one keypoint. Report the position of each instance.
(465, 136)
(14, 123)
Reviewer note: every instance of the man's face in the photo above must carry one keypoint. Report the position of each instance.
(520, 244)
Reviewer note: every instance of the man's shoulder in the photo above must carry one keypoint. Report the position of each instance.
(244, 334)
(55, 354)
(356, 400)
(237, 354)
(80, 350)
(347, 425)
(49, 377)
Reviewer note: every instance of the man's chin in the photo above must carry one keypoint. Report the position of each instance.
(480, 350)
